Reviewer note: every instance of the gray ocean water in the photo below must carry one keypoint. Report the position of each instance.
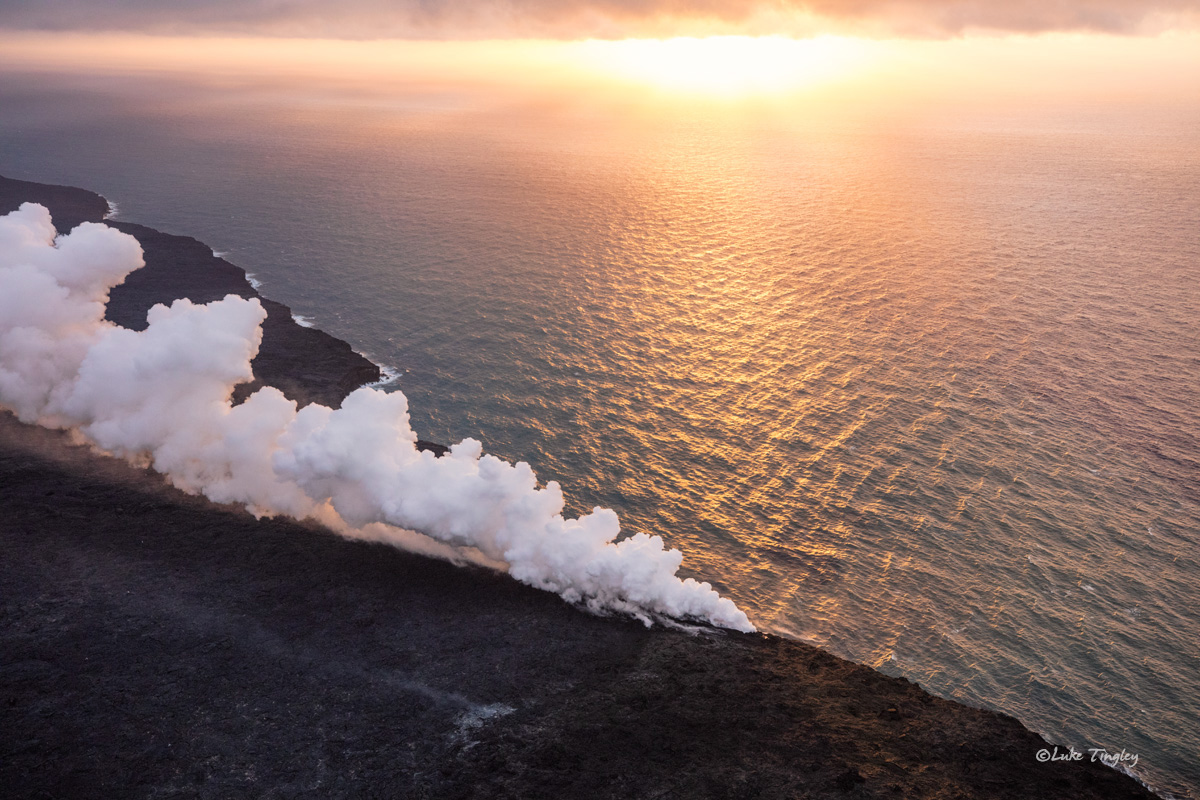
(922, 391)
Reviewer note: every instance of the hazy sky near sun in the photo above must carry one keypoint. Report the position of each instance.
(574, 19)
(975, 51)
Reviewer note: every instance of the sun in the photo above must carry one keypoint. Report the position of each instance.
(726, 65)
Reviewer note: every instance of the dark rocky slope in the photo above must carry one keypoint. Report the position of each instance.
(156, 645)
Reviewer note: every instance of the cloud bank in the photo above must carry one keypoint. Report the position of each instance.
(161, 396)
(594, 18)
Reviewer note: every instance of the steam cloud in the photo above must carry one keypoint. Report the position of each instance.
(162, 396)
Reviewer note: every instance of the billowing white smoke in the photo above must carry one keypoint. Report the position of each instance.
(162, 395)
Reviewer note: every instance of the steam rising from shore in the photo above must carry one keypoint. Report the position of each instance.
(163, 396)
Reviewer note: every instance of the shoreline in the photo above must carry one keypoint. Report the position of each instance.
(156, 643)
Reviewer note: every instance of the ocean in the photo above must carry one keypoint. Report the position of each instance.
(918, 388)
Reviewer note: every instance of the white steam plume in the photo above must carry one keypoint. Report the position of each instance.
(163, 395)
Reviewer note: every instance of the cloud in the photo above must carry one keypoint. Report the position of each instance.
(603, 18)
(162, 396)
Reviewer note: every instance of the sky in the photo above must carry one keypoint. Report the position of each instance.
(575, 19)
(978, 51)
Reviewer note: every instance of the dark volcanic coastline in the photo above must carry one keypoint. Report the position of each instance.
(306, 364)
(156, 645)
